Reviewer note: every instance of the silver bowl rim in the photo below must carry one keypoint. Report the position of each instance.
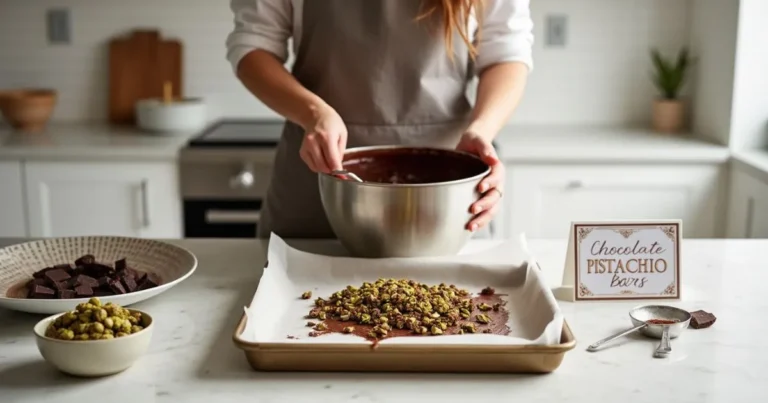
(411, 185)
(684, 313)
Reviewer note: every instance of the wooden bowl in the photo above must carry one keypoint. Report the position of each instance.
(28, 110)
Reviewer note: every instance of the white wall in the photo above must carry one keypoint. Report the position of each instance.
(602, 77)
(713, 43)
(749, 119)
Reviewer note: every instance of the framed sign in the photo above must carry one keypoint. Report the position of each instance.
(623, 261)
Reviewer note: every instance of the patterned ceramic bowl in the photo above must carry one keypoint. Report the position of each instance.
(170, 263)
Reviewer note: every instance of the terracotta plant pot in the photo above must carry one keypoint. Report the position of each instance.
(27, 110)
(668, 116)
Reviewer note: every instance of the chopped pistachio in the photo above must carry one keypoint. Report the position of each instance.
(484, 307)
(321, 326)
(436, 330)
(306, 295)
(482, 318)
(348, 329)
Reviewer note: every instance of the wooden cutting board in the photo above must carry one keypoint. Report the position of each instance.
(139, 65)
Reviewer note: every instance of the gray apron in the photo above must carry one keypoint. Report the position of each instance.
(391, 81)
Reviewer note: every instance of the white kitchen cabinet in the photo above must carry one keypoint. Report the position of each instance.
(12, 223)
(100, 198)
(542, 200)
(747, 206)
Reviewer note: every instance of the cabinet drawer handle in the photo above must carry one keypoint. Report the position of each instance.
(575, 184)
(145, 204)
(232, 217)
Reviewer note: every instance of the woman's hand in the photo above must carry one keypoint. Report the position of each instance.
(325, 140)
(491, 186)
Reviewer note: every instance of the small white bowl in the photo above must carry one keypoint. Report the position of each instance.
(93, 358)
(180, 116)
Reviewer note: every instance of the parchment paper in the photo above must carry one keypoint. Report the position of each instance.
(277, 311)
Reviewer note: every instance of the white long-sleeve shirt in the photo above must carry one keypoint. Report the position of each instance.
(507, 30)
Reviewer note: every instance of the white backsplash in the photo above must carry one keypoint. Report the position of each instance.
(600, 78)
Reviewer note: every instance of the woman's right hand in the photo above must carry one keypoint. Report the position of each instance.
(325, 140)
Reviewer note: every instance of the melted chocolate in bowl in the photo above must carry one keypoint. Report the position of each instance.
(403, 165)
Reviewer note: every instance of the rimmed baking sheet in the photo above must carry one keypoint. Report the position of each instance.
(277, 313)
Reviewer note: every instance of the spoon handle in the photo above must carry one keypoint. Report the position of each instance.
(665, 346)
(345, 173)
(595, 346)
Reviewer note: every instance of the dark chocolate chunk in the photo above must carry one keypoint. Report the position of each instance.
(57, 275)
(86, 260)
(103, 281)
(67, 294)
(83, 291)
(78, 270)
(702, 319)
(102, 293)
(82, 279)
(42, 292)
(148, 283)
(41, 273)
(120, 265)
(66, 267)
(141, 277)
(116, 287)
(130, 283)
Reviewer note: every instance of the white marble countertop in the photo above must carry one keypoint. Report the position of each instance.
(192, 357)
(90, 142)
(753, 161)
(536, 144)
(553, 144)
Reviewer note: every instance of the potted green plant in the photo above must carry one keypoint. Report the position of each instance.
(669, 78)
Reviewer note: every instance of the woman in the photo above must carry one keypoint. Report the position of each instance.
(375, 72)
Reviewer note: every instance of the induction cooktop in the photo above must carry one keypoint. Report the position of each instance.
(240, 133)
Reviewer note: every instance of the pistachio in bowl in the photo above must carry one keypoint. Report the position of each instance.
(95, 339)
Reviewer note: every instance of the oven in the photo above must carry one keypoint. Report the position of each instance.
(224, 174)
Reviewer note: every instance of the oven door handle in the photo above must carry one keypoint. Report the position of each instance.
(232, 216)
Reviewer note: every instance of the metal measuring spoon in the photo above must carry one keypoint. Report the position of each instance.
(596, 345)
(641, 316)
(665, 346)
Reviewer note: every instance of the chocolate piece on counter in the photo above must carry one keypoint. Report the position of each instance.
(702, 319)
(83, 291)
(67, 294)
(120, 265)
(116, 287)
(57, 275)
(129, 283)
(86, 260)
(42, 292)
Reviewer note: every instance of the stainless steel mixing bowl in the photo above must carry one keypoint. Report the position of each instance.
(400, 220)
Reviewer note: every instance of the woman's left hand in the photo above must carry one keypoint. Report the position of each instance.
(491, 186)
